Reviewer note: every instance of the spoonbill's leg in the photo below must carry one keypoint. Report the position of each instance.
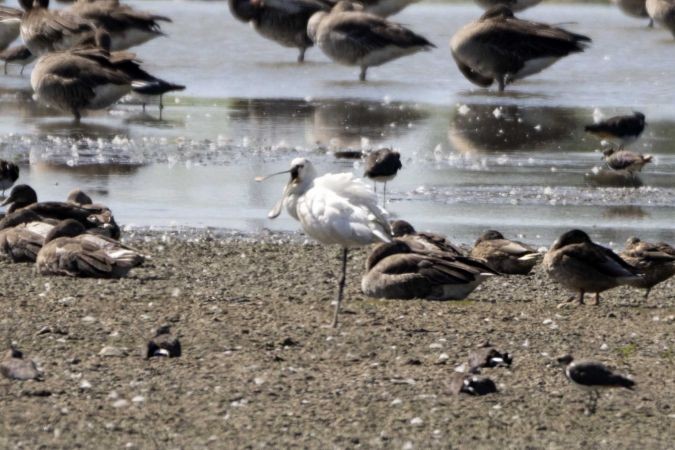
(341, 286)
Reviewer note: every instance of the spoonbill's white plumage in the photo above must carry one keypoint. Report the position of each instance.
(335, 209)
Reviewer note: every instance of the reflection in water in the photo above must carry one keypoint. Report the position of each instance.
(329, 123)
(479, 128)
(625, 212)
(84, 130)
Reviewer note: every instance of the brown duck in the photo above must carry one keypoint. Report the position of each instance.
(656, 262)
(504, 255)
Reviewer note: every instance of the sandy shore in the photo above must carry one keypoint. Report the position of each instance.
(260, 370)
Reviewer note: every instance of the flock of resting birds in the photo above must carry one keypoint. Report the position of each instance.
(82, 64)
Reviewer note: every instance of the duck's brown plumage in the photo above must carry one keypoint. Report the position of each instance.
(501, 47)
(580, 265)
(23, 242)
(14, 366)
(656, 262)
(70, 251)
(428, 242)
(504, 255)
(25, 208)
(43, 30)
(399, 270)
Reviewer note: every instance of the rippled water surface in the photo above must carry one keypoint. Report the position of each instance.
(473, 159)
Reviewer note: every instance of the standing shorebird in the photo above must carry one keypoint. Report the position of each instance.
(580, 265)
(656, 262)
(592, 376)
(620, 130)
(381, 166)
(625, 160)
(351, 37)
(500, 47)
(19, 55)
(334, 209)
(9, 173)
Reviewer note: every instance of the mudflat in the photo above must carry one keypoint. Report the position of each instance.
(261, 369)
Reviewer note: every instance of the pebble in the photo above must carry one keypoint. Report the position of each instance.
(121, 403)
(416, 422)
(109, 351)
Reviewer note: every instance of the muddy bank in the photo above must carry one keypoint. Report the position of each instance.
(260, 370)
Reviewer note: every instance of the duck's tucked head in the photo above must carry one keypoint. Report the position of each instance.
(499, 11)
(346, 5)
(382, 251)
(401, 228)
(489, 235)
(22, 195)
(27, 5)
(565, 360)
(79, 197)
(632, 241)
(609, 152)
(571, 237)
(245, 10)
(65, 228)
(639, 115)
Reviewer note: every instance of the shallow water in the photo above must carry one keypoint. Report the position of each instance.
(473, 159)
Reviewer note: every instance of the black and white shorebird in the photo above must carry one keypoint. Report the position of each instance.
(9, 173)
(593, 376)
(163, 343)
(500, 47)
(19, 55)
(624, 160)
(620, 130)
(352, 37)
(381, 166)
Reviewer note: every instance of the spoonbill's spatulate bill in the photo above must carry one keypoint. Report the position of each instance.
(335, 209)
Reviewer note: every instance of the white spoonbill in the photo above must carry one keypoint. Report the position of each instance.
(335, 209)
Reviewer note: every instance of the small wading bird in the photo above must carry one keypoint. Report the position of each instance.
(656, 262)
(500, 47)
(624, 160)
(513, 5)
(163, 343)
(592, 376)
(127, 26)
(9, 173)
(19, 55)
(10, 25)
(351, 37)
(663, 13)
(283, 21)
(580, 265)
(505, 256)
(620, 130)
(381, 166)
(334, 209)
